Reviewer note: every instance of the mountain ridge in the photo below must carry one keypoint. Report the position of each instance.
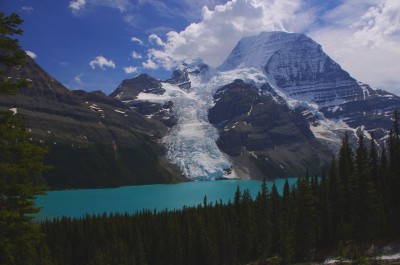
(289, 69)
(94, 140)
(277, 107)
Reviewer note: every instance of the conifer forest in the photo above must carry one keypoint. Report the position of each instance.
(356, 200)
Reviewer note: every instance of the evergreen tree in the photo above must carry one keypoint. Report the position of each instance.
(367, 215)
(337, 202)
(263, 221)
(373, 161)
(346, 177)
(305, 216)
(11, 53)
(286, 245)
(20, 162)
(275, 219)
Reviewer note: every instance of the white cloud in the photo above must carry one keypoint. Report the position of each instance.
(31, 54)
(136, 55)
(78, 79)
(153, 38)
(365, 42)
(27, 9)
(121, 5)
(76, 5)
(150, 64)
(214, 37)
(137, 40)
(363, 36)
(130, 69)
(378, 22)
(101, 62)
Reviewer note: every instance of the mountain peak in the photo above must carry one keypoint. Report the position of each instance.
(255, 51)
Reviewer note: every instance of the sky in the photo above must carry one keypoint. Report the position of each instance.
(95, 44)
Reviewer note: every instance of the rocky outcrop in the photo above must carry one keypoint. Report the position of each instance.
(129, 90)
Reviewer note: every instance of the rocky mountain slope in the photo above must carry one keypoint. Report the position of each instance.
(279, 103)
(277, 107)
(309, 80)
(94, 140)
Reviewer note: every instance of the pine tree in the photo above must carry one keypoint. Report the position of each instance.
(21, 163)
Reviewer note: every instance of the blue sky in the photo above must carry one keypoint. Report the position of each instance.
(95, 44)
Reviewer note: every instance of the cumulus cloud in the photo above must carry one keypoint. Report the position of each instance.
(365, 42)
(102, 63)
(31, 54)
(363, 36)
(150, 64)
(153, 38)
(76, 5)
(136, 55)
(378, 22)
(220, 29)
(130, 69)
(137, 40)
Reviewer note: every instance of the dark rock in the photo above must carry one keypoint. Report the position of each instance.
(130, 88)
(249, 120)
(94, 140)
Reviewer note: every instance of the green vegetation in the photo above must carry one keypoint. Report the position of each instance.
(21, 163)
(99, 165)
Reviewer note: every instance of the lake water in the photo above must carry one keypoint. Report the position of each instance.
(77, 203)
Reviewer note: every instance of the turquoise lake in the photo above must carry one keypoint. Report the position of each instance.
(77, 203)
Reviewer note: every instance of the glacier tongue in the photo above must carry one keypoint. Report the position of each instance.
(191, 144)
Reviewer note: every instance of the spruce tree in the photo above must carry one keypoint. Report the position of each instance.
(21, 162)
(263, 221)
(286, 246)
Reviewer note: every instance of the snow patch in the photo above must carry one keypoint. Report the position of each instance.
(14, 110)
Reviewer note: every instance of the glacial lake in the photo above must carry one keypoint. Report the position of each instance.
(131, 199)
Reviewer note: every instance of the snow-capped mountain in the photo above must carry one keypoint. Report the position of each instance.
(297, 65)
(271, 109)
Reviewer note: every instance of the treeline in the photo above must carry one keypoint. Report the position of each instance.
(358, 199)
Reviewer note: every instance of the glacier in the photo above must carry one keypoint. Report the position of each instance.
(191, 143)
(301, 75)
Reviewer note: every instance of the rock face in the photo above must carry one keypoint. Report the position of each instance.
(297, 65)
(310, 81)
(130, 89)
(94, 140)
(251, 122)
